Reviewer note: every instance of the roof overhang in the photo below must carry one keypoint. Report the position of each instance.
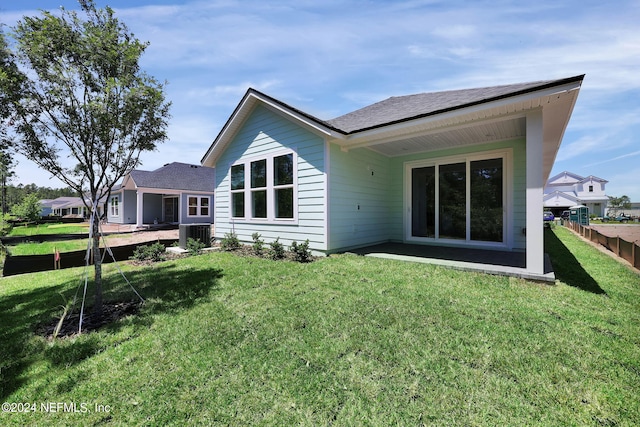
(492, 121)
(497, 119)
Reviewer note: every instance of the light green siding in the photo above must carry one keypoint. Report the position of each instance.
(345, 199)
(359, 189)
(264, 133)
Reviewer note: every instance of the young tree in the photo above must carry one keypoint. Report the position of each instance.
(10, 81)
(30, 209)
(85, 98)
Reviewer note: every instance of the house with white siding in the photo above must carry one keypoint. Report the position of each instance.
(176, 193)
(461, 168)
(568, 189)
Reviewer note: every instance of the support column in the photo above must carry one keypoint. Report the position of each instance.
(139, 205)
(535, 193)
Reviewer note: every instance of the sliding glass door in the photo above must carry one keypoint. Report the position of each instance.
(460, 200)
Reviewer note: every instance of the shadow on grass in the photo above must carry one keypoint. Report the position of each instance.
(167, 288)
(566, 267)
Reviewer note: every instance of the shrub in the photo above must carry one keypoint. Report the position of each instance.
(154, 252)
(194, 246)
(301, 252)
(230, 242)
(258, 245)
(277, 249)
(5, 225)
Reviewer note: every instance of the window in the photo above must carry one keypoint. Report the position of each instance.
(283, 186)
(259, 189)
(271, 192)
(486, 196)
(198, 206)
(237, 191)
(458, 199)
(591, 189)
(115, 208)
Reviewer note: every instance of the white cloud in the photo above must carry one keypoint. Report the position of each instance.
(331, 57)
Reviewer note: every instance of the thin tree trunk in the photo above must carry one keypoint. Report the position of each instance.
(4, 193)
(97, 261)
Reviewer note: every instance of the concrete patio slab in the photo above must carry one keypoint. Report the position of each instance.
(468, 259)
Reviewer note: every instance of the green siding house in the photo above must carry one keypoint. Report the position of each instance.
(461, 168)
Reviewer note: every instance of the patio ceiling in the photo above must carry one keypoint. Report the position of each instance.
(465, 136)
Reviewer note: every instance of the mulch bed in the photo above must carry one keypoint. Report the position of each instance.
(112, 311)
(266, 253)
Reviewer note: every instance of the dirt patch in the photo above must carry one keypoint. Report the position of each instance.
(628, 232)
(111, 313)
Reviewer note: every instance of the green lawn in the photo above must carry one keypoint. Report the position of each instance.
(33, 248)
(346, 340)
(35, 230)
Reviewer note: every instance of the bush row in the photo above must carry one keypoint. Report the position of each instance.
(276, 251)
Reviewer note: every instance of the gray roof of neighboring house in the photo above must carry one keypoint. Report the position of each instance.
(400, 108)
(176, 176)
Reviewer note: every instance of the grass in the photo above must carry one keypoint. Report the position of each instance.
(36, 248)
(35, 230)
(346, 340)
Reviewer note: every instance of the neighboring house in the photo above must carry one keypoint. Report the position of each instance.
(177, 193)
(46, 207)
(73, 207)
(458, 168)
(68, 206)
(567, 189)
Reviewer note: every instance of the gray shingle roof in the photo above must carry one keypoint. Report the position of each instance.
(401, 108)
(176, 176)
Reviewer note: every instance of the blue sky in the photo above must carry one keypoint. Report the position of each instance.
(331, 57)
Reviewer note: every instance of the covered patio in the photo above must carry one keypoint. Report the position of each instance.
(503, 263)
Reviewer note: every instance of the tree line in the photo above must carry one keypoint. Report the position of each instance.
(15, 195)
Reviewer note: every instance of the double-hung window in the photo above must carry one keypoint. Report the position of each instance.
(198, 205)
(270, 193)
(115, 208)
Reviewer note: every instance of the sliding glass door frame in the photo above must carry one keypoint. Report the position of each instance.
(436, 233)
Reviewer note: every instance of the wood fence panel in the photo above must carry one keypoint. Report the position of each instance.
(625, 250)
(629, 251)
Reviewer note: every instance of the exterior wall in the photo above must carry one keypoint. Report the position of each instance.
(184, 209)
(151, 208)
(128, 208)
(111, 218)
(582, 189)
(359, 189)
(596, 208)
(265, 133)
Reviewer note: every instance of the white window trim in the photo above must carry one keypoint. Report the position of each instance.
(270, 188)
(507, 224)
(117, 206)
(199, 206)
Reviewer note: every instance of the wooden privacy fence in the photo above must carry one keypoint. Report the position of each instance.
(629, 251)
